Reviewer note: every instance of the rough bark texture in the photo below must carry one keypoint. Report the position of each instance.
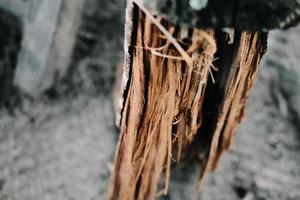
(173, 109)
(238, 14)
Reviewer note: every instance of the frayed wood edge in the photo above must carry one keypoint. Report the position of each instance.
(168, 35)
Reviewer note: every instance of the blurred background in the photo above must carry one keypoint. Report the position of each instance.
(57, 132)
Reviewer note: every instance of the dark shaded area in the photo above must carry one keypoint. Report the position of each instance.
(238, 14)
(10, 41)
(241, 191)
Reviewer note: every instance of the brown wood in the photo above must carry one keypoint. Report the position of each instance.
(174, 110)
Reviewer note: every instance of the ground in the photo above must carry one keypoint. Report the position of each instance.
(62, 148)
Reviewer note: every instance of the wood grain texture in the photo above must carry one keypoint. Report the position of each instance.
(173, 111)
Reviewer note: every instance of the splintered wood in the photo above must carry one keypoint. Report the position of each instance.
(174, 110)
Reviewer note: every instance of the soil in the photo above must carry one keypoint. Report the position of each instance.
(62, 146)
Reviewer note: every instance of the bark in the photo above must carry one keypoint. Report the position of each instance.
(178, 105)
(238, 14)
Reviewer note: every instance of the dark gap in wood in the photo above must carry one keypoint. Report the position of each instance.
(215, 94)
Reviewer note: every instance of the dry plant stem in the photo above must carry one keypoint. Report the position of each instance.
(164, 113)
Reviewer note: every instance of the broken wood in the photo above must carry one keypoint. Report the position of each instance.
(172, 109)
